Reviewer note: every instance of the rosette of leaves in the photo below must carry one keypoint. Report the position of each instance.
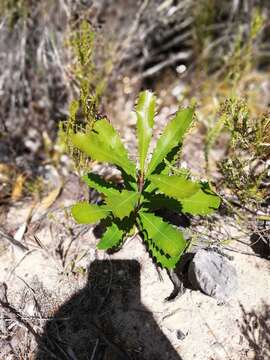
(147, 187)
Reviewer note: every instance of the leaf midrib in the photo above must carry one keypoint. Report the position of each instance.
(115, 158)
(161, 152)
(158, 231)
(126, 199)
(170, 140)
(176, 188)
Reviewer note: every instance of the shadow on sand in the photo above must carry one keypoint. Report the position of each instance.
(106, 320)
(255, 327)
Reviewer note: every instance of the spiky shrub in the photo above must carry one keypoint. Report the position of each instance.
(245, 168)
(147, 188)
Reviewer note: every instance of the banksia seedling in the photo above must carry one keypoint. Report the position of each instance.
(147, 187)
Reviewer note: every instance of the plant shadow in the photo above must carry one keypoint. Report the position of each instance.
(260, 244)
(106, 320)
(255, 327)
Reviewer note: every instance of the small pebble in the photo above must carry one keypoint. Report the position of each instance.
(180, 335)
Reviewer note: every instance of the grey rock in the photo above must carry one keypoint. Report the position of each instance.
(213, 274)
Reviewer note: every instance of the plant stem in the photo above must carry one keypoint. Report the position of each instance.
(140, 183)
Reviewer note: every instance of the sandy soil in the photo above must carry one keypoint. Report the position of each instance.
(61, 272)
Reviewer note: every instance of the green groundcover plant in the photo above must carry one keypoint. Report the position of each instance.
(146, 188)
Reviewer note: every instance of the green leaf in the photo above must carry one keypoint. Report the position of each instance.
(91, 144)
(163, 260)
(177, 187)
(164, 236)
(145, 111)
(98, 183)
(164, 167)
(121, 204)
(108, 135)
(104, 144)
(85, 213)
(167, 164)
(203, 202)
(112, 237)
(129, 181)
(161, 201)
(171, 137)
